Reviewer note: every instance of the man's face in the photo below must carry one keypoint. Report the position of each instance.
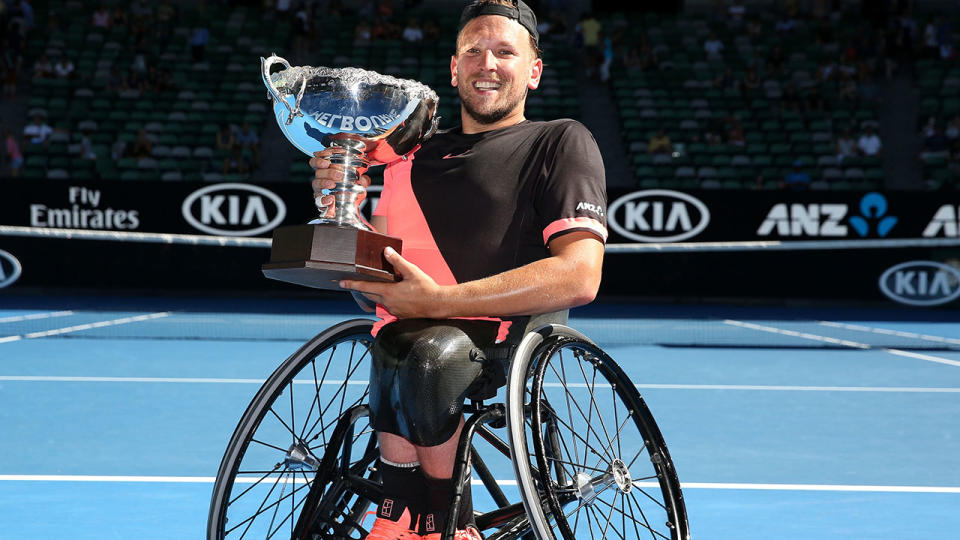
(493, 68)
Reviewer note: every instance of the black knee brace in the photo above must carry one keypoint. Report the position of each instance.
(422, 370)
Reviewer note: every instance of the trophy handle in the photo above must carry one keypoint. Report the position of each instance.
(265, 65)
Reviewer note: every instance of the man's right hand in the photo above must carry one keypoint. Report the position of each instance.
(326, 175)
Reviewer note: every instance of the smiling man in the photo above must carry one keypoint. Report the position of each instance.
(503, 225)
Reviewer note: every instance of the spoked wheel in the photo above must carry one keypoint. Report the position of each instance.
(298, 463)
(589, 457)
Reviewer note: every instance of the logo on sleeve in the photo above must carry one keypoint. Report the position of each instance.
(590, 207)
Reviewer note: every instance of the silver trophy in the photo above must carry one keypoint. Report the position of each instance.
(368, 119)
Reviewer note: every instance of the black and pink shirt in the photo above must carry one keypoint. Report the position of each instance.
(472, 206)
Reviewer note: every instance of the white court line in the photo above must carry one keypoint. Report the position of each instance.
(86, 326)
(35, 316)
(852, 344)
(651, 386)
(888, 332)
(927, 357)
(684, 485)
(793, 333)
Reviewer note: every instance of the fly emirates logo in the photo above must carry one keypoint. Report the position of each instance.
(84, 212)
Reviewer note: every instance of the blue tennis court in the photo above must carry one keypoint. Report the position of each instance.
(788, 424)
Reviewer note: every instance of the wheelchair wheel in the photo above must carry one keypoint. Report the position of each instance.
(298, 464)
(589, 458)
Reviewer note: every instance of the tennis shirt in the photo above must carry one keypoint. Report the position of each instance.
(469, 206)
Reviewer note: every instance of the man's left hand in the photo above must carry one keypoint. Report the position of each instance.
(416, 295)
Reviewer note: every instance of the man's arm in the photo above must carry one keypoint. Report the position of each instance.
(569, 277)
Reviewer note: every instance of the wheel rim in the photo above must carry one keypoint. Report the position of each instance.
(274, 458)
(602, 467)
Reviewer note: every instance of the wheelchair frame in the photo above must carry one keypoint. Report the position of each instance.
(344, 488)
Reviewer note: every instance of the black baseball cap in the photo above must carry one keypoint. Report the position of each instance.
(519, 12)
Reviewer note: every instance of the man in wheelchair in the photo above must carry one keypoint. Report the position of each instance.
(500, 218)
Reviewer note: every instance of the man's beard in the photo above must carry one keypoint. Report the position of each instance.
(494, 115)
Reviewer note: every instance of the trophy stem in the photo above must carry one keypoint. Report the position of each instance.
(347, 191)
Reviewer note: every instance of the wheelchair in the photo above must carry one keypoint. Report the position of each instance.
(587, 457)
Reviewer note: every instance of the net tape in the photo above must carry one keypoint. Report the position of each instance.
(239, 241)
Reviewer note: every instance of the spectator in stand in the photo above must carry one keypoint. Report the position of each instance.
(751, 86)
(228, 147)
(13, 152)
(116, 81)
(165, 20)
(38, 131)
(814, 102)
(790, 98)
(431, 30)
(847, 90)
(936, 144)
(727, 80)
(143, 147)
(754, 27)
(713, 47)
(797, 179)
(931, 43)
(101, 17)
(826, 71)
(785, 24)
(952, 130)
(735, 136)
(868, 87)
(929, 128)
(282, 9)
(141, 12)
(588, 32)
(775, 61)
(249, 141)
(660, 143)
(64, 68)
(608, 54)
(301, 30)
(198, 43)
(119, 16)
(12, 58)
(412, 33)
(42, 69)
(362, 34)
(869, 143)
(736, 13)
(846, 146)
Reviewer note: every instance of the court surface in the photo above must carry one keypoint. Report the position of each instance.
(114, 414)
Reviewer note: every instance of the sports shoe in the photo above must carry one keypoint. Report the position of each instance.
(462, 534)
(385, 529)
(399, 528)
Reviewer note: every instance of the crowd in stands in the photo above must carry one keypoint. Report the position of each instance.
(750, 76)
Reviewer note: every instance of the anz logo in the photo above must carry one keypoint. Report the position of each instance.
(829, 219)
(9, 269)
(921, 283)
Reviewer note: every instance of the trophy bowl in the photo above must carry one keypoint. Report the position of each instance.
(367, 119)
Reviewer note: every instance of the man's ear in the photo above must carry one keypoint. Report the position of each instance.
(536, 70)
(453, 71)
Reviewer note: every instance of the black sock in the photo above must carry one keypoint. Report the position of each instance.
(403, 489)
(439, 499)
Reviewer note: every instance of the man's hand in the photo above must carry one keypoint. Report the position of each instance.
(326, 175)
(417, 295)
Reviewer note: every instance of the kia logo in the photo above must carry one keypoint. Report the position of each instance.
(9, 269)
(658, 215)
(234, 210)
(921, 283)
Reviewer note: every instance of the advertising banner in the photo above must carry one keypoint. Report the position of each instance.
(908, 275)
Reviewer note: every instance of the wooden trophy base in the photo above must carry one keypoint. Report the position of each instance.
(319, 256)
